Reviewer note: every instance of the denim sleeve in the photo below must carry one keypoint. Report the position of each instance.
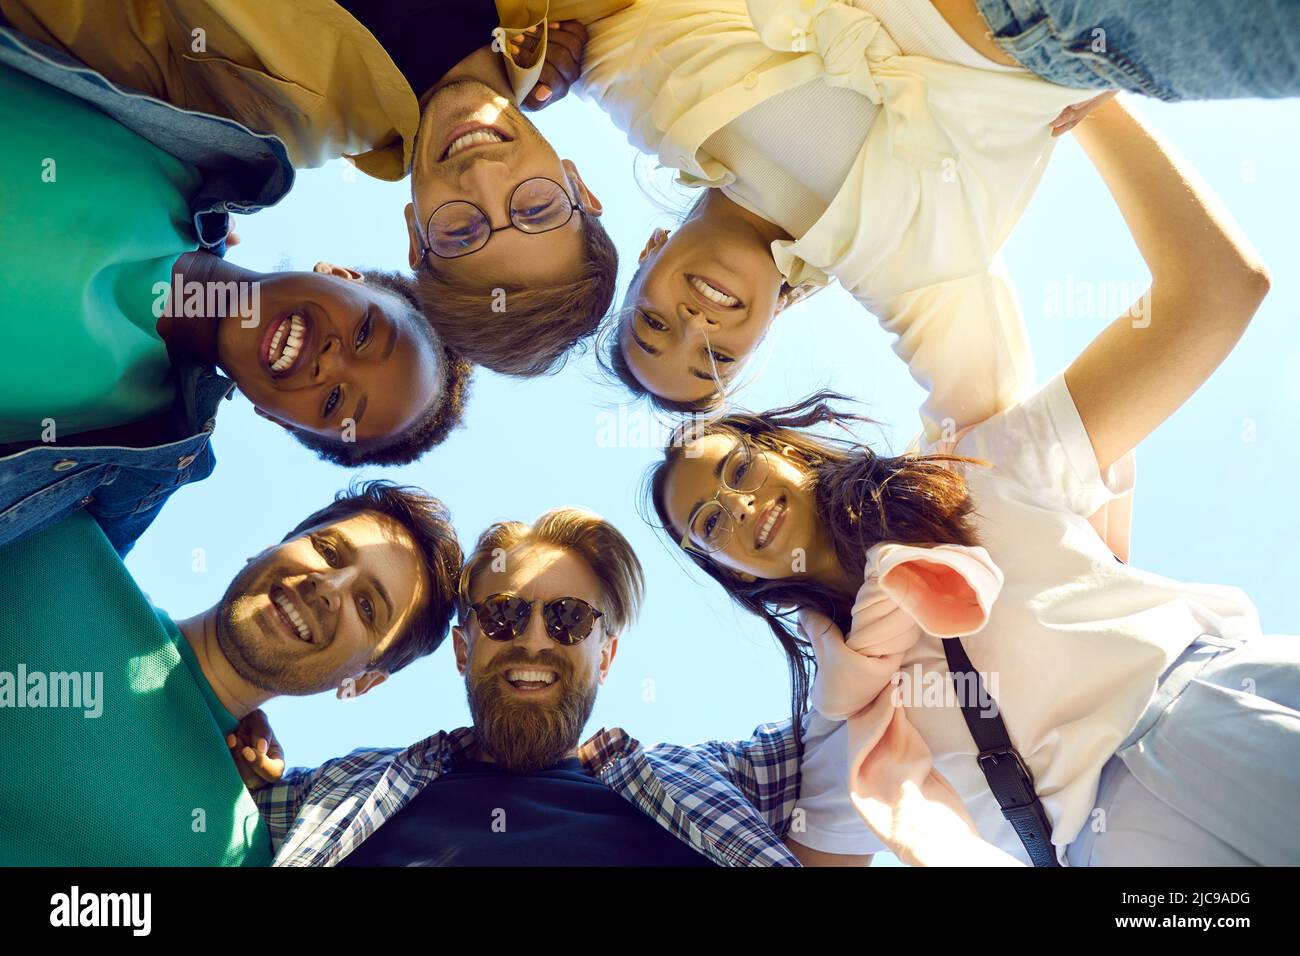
(123, 531)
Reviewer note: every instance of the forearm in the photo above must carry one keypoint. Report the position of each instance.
(1207, 282)
(1182, 231)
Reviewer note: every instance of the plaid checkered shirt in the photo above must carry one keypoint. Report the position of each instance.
(730, 800)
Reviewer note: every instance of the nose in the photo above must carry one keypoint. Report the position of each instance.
(739, 505)
(483, 182)
(534, 639)
(696, 320)
(329, 361)
(329, 586)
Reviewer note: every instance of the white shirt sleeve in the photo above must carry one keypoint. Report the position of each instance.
(1042, 445)
(964, 342)
(825, 819)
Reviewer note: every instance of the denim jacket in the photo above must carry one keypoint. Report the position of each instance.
(125, 487)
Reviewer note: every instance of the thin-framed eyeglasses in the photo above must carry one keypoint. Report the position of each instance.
(711, 525)
(460, 227)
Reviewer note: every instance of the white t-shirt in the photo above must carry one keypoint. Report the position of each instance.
(1076, 641)
(828, 821)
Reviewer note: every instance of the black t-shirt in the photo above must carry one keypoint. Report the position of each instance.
(477, 814)
(426, 38)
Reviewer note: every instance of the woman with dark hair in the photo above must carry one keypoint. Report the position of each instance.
(891, 145)
(1139, 720)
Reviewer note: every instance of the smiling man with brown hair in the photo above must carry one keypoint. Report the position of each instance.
(355, 592)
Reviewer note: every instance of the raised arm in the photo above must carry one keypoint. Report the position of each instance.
(1206, 283)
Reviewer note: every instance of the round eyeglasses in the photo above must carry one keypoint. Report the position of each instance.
(460, 227)
(711, 525)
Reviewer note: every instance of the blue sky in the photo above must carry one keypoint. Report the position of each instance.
(1216, 489)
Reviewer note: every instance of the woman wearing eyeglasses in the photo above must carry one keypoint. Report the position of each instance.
(1014, 692)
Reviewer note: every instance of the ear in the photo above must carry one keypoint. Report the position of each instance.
(413, 233)
(607, 652)
(359, 685)
(791, 295)
(794, 454)
(744, 576)
(343, 272)
(586, 198)
(460, 644)
(269, 417)
(655, 242)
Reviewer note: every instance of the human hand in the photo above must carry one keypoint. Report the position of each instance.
(257, 754)
(565, 41)
(1071, 116)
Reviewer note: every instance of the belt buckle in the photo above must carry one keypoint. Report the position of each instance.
(992, 761)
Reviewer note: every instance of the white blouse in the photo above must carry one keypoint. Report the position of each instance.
(929, 192)
(767, 148)
(1071, 649)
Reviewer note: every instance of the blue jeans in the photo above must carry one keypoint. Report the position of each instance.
(1168, 49)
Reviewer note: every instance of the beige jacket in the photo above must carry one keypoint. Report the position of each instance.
(304, 70)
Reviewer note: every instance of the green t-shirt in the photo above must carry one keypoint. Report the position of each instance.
(92, 216)
(132, 769)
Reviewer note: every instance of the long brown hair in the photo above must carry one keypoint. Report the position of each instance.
(862, 498)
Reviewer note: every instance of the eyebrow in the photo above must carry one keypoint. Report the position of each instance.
(645, 347)
(373, 581)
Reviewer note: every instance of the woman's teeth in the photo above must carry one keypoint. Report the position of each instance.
(765, 531)
(475, 138)
(289, 611)
(712, 294)
(291, 331)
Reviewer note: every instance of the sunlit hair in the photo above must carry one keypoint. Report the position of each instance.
(861, 498)
(522, 330)
(428, 522)
(582, 533)
(443, 415)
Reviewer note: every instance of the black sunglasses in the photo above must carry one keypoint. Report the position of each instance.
(503, 617)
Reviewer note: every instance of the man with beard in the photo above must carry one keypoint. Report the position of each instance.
(514, 267)
(112, 713)
(541, 608)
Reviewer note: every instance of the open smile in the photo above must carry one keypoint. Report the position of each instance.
(286, 343)
(468, 136)
(292, 619)
(531, 680)
(769, 522)
(713, 292)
